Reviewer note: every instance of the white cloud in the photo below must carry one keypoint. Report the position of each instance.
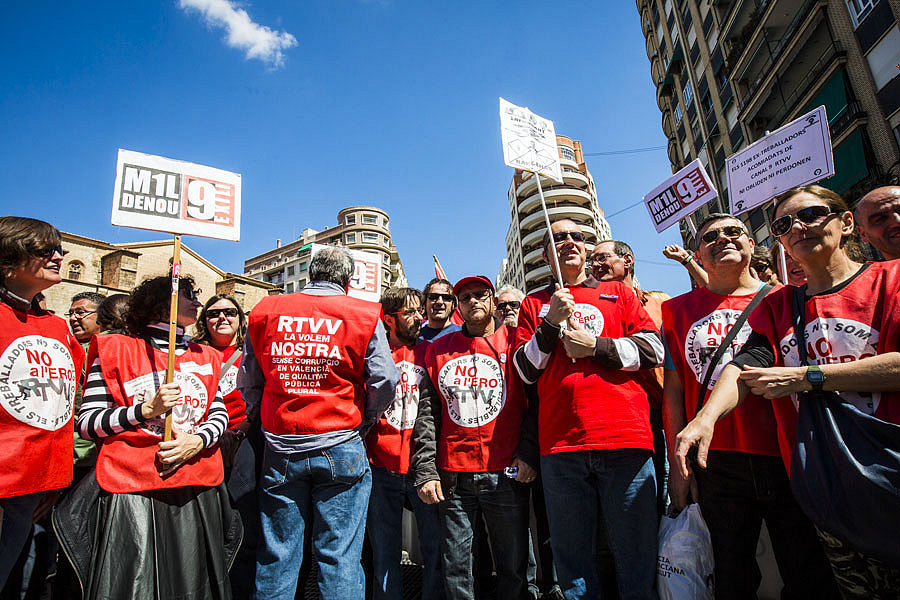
(257, 41)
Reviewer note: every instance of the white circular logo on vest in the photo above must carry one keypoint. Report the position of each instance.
(229, 382)
(38, 382)
(704, 338)
(589, 317)
(831, 340)
(187, 413)
(401, 414)
(473, 388)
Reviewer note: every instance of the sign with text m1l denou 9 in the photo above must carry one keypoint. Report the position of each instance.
(797, 154)
(162, 194)
(679, 195)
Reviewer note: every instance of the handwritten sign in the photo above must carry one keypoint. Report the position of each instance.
(680, 195)
(529, 141)
(797, 154)
(162, 194)
(366, 280)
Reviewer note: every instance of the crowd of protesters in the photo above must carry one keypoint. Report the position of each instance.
(537, 440)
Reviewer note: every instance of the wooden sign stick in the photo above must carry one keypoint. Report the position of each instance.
(173, 323)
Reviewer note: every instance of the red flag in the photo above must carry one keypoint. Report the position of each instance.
(438, 271)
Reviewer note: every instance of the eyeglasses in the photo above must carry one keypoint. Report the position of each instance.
(601, 258)
(731, 232)
(561, 236)
(79, 314)
(215, 313)
(481, 296)
(445, 297)
(811, 215)
(513, 304)
(47, 253)
(192, 294)
(409, 312)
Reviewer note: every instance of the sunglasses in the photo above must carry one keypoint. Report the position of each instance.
(731, 232)
(47, 253)
(435, 297)
(561, 236)
(216, 312)
(811, 215)
(409, 312)
(513, 304)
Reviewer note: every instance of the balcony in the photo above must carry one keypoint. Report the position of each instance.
(574, 179)
(560, 196)
(843, 121)
(813, 77)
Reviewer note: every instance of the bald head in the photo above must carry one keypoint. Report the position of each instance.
(878, 220)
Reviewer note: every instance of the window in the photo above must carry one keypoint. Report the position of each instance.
(687, 92)
(369, 238)
(386, 259)
(677, 112)
(707, 103)
(860, 9)
(289, 287)
(290, 271)
(567, 153)
(350, 238)
(370, 220)
(884, 57)
(350, 220)
(76, 269)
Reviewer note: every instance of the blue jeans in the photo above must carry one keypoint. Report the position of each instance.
(389, 490)
(619, 487)
(325, 492)
(504, 504)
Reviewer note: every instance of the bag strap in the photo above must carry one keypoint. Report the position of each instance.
(227, 364)
(798, 310)
(720, 351)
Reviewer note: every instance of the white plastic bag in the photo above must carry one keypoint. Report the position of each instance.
(684, 568)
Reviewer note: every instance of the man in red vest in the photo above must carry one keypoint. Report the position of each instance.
(389, 444)
(583, 345)
(317, 372)
(466, 434)
(745, 481)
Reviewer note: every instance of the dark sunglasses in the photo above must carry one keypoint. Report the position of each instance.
(732, 232)
(409, 312)
(445, 297)
(513, 304)
(811, 215)
(47, 253)
(215, 312)
(560, 236)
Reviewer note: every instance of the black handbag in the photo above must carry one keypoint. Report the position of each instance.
(845, 469)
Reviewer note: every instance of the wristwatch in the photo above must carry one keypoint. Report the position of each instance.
(689, 258)
(815, 377)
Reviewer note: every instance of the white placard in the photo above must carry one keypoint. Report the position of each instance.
(529, 141)
(679, 195)
(797, 154)
(366, 281)
(163, 194)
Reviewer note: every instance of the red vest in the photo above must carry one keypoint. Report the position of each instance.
(694, 325)
(388, 442)
(40, 368)
(237, 409)
(132, 371)
(482, 401)
(584, 405)
(312, 351)
(858, 320)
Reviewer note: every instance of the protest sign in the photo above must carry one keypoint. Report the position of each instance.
(679, 195)
(162, 194)
(529, 141)
(797, 154)
(366, 280)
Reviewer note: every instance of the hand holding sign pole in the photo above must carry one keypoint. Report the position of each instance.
(162, 194)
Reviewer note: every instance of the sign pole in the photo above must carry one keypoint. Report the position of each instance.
(173, 323)
(555, 259)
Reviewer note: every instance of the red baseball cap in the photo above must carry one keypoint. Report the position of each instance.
(472, 279)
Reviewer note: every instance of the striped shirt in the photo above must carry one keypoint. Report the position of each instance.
(100, 417)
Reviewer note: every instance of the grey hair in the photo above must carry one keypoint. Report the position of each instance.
(94, 298)
(331, 264)
(519, 294)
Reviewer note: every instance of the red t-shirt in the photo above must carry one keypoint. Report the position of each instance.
(482, 400)
(694, 325)
(234, 404)
(858, 319)
(388, 442)
(584, 405)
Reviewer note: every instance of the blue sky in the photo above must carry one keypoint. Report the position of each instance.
(324, 104)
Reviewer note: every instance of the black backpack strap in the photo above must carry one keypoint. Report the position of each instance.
(798, 310)
(720, 351)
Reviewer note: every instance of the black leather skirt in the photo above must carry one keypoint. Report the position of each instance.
(175, 544)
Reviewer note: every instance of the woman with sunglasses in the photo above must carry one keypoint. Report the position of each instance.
(154, 522)
(852, 338)
(40, 368)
